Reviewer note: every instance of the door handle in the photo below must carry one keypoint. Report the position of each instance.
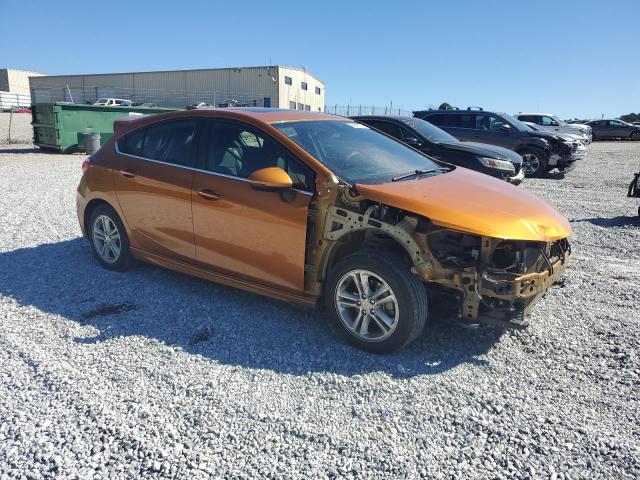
(208, 194)
(127, 172)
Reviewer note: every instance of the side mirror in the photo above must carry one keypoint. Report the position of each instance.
(270, 179)
(505, 127)
(414, 142)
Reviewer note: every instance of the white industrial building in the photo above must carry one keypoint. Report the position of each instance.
(14, 88)
(269, 86)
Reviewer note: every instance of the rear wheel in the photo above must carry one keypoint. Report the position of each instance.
(109, 239)
(375, 302)
(534, 162)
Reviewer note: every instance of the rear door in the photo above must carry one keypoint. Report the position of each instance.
(256, 235)
(153, 179)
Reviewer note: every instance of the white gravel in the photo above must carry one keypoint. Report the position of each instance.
(21, 130)
(151, 373)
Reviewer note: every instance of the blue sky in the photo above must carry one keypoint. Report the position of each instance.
(574, 58)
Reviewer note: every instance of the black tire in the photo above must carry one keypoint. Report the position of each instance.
(635, 136)
(409, 292)
(539, 157)
(124, 260)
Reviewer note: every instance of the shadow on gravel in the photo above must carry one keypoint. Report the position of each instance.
(223, 324)
(619, 221)
(21, 150)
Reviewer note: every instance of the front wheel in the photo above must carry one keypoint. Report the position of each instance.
(534, 162)
(635, 136)
(375, 302)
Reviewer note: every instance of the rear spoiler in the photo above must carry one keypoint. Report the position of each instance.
(125, 122)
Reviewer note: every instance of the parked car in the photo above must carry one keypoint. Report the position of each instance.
(612, 129)
(196, 106)
(145, 104)
(112, 102)
(436, 143)
(551, 123)
(578, 148)
(541, 152)
(304, 206)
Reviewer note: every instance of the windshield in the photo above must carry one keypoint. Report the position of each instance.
(521, 126)
(354, 152)
(429, 131)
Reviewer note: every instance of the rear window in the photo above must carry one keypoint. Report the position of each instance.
(170, 142)
(132, 144)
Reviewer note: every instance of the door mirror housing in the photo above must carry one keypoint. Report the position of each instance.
(413, 141)
(270, 179)
(504, 127)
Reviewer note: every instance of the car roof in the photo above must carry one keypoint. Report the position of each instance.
(275, 115)
(462, 112)
(536, 113)
(401, 118)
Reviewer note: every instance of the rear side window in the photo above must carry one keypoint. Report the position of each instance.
(439, 119)
(387, 127)
(170, 142)
(529, 118)
(132, 143)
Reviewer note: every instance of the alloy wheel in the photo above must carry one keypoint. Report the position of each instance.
(635, 136)
(531, 163)
(366, 305)
(106, 239)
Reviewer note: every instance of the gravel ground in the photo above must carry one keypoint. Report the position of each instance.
(21, 130)
(151, 373)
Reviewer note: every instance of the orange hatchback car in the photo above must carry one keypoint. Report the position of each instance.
(302, 206)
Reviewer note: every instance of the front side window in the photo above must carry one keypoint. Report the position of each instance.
(549, 122)
(616, 123)
(170, 142)
(440, 119)
(490, 123)
(238, 150)
(355, 152)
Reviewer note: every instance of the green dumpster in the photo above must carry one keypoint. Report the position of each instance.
(58, 126)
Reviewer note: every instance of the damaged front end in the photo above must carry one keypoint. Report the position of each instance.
(490, 280)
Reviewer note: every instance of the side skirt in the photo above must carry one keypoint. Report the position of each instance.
(216, 277)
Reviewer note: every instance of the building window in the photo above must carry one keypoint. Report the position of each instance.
(255, 103)
(267, 102)
(292, 105)
(307, 108)
(300, 106)
(304, 86)
(317, 90)
(288, 81)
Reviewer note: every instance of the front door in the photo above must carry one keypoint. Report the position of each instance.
(153, 175)
(257, 235)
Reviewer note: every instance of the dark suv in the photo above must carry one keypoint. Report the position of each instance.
(436, 143)
(541, 151)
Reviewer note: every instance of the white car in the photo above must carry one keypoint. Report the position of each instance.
(113, 102)
(578, 146)
(551, 123)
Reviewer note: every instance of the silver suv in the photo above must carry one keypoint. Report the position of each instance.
(551, 123)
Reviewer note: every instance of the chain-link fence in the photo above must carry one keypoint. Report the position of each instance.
(352, 110)
(162, 97)
(15, 126)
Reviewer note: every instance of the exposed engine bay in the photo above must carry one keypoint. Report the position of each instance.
(490, 280)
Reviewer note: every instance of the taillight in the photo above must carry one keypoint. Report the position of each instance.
(86, 164)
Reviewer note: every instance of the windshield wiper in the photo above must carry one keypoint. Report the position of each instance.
(415, 173)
